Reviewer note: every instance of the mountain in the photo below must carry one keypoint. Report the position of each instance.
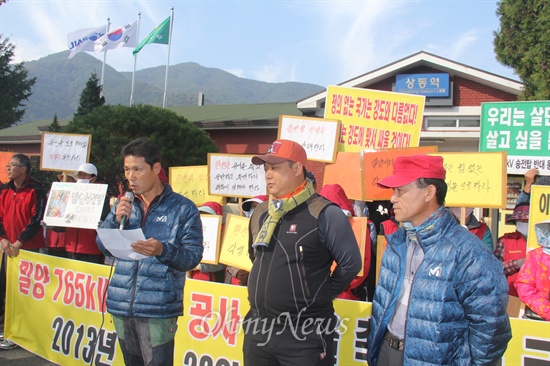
(59, 82)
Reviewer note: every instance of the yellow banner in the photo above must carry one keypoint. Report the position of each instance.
(192, 182)
(54, 309)
(374, 119)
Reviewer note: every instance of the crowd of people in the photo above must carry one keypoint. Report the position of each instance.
(442, 292)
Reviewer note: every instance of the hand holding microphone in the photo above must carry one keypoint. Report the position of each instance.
(124, 219)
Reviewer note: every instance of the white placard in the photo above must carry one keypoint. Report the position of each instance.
(75, 205)
(64, 152)
(235, 176)
(211, 227)
(318, 136)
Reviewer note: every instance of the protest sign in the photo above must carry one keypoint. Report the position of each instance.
(347, 171)
(235, 243)
(539, 211)
(522, 129)
(318, 136)
(192, 182)
(374, 119)
(64, 152)
(235, 176)
(75, 205)
(211, 230)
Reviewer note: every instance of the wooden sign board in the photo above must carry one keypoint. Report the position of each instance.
(318, 136)
(64, 152)
(192, 182)
(235, 243)
(211, 230)
(475, 179)
(233, 175)
(378, 164)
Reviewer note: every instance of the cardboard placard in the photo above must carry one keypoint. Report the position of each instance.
(539, 211)
(374, 119)
(318, 136)
(347, 172)
(233, 175)
(211, 230)
(75, 205)
(64, 152)
(192, 182)
(235, 243)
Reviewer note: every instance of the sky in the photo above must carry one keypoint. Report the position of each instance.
(319, 42)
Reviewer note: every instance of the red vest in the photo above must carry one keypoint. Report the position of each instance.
(389, 226)
(515, 248)
(479, 231)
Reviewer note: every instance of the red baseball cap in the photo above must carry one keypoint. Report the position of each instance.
(281, 151)
(407, 169)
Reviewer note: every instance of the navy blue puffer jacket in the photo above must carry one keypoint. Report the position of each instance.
(457, 309)
(153, 287)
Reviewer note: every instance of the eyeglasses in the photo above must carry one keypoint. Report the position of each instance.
(13, 165)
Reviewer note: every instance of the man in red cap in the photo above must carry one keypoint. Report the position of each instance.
(294, 237)
(441, 296)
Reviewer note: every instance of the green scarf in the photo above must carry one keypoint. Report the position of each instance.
(277, 209)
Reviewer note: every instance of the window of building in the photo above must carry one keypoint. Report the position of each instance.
(449, 123)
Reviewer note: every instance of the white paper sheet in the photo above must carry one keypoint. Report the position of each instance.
(117, 242)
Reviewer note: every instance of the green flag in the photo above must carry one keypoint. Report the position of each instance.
(161, 34)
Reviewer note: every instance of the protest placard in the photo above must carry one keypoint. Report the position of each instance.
(211, 230)
(374, 119)
(75, 205)
(64, 152)
(192, 182)
(235, 243)
(318, 136)
(522, 129)
(539, 211)
(233, 175)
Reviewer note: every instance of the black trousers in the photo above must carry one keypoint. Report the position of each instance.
(267, 343)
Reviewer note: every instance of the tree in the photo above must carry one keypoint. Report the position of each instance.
(90, 97)
(523, 43)
(16, 85)
(112, 127)
(55, 126)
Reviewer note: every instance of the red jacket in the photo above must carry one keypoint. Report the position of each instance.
(21, 212)
(515, 247)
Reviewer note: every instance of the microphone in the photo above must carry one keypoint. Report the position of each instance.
(129, 195)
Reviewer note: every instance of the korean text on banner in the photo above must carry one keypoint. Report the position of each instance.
(373, 119)
(539, 211)
(64, 152)
(475, 179)
(318, 136)
(235, 176)
(520, 128)
(235, 243)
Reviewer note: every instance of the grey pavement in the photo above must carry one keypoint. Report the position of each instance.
(22, 357)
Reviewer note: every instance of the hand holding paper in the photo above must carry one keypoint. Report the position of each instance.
(119, 242)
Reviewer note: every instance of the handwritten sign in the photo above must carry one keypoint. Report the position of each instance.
(235, 243)
(235, 176)
(539, 211)
(475, 179)
(64, 152)
(75, 205)
(347, 172)
(318, 136)
(192, 182)
(378, 164)
(211, 230)
(522, 129)
(373, 119)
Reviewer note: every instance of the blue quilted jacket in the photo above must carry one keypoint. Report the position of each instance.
(457, 310)
(153, 287)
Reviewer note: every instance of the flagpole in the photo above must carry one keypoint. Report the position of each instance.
(168, 60)
(104, 59)
(135, 61)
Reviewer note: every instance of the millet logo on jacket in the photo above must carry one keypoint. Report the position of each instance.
(435, 272)
(162, 218)
(292, 229)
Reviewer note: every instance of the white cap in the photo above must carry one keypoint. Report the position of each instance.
(88, 169)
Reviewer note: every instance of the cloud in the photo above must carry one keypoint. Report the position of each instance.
(462, 43)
